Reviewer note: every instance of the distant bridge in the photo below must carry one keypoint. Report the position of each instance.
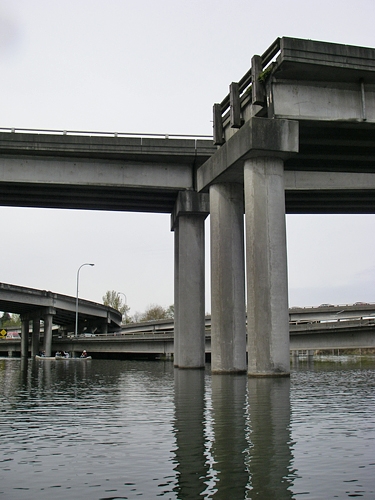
(312, 328)
(53, 308)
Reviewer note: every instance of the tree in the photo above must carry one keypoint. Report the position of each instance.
(9, 320)
(170, 312)
(155, 312)
(113, 299)
(5, 318)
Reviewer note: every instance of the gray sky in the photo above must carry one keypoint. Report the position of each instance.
(157, 67)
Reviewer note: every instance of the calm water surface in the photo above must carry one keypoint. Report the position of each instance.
(132, 429)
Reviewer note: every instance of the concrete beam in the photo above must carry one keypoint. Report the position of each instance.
(95, 172)
(257, 137)
(360, 339)
(298, 100)
(189, 151)
(306, 180)
(190, 202)
(100, 173)
(324, 61)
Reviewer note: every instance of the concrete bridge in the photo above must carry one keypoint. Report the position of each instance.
(53, 309)
(294, 135)
(322, 328)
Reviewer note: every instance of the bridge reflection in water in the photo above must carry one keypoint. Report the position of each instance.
(147, 429)
(234, 440)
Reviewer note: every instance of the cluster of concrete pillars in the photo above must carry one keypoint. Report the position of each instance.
(261, 198)
(47, 316)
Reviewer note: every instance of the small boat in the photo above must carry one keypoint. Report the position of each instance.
(62, 358)
(80, 358)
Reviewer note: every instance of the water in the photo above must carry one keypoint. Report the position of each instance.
(132, 429)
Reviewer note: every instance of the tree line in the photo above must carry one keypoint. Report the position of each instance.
(152, 312)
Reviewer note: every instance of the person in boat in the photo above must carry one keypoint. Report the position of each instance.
(65, 354)
(84, 354)
(42, 354)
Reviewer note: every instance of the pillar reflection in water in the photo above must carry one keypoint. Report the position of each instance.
(229, 436)
(270, 454)
(24, 369)
(191, 465)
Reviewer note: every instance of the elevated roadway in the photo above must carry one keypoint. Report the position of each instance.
(31, 303)
(54, 309)
(94, 171)
(315, 328)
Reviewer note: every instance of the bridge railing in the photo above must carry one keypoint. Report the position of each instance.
(102, 134)
(249, 87)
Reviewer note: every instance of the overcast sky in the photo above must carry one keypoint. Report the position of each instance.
(157, 67)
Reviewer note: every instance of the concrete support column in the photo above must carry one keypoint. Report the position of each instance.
(48, 334)
(35, 337)
(188, 217)
(105, 326)
(176, 294)
(228, 314)
(24, 338)
(267, 285)
(191, 296)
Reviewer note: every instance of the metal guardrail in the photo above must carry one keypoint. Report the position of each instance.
(103, 134)
(356, 304)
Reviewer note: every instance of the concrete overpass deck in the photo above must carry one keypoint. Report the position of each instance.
(157, 338)
(328, 91)
(31, 303)
(86, 170)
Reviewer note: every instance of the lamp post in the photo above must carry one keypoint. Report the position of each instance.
(76, 328)
(121, 293)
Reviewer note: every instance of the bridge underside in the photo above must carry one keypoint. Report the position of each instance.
(32, 304)
(80, 197)
(330, 202)
(104, 180)
(97, 173)
(332, 148)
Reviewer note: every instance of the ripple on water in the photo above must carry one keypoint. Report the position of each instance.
(116, 430)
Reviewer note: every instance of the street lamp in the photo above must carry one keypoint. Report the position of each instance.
(122, 293)
(76, 328)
